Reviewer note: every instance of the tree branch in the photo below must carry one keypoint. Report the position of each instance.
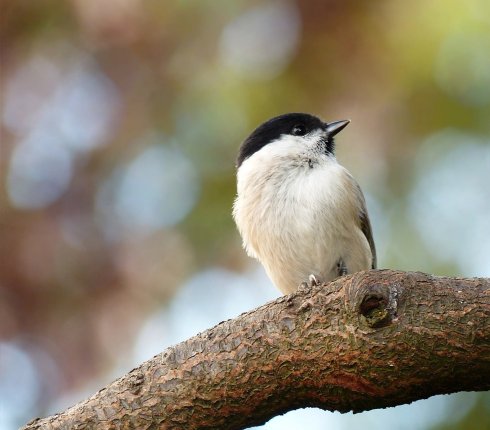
(371, 340)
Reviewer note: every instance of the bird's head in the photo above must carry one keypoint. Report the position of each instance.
(292, 134)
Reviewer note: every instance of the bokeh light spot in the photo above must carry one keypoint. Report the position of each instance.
(156, 189)
(260, 43)
(19, 384)
(450, 202)
(40, 171)
(59, 111)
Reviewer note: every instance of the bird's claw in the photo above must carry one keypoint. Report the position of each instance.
(313, 280)
(341, 268)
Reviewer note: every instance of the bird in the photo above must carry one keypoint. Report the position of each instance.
(298, 211)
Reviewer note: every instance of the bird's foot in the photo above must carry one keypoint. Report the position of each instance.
(341, 268)
(307, 286)
(312, 282)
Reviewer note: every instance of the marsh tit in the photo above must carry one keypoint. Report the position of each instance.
(299, 212)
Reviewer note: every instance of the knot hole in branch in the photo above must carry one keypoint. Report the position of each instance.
(374, 308)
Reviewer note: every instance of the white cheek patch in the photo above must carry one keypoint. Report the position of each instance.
(285, 146)
(289, 147)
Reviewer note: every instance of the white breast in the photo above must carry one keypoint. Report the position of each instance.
(299, 216)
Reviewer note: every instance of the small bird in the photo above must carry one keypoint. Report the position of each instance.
(298, 211)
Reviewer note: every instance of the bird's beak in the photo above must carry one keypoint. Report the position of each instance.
(335, 127)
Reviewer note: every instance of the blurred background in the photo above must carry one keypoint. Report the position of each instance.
(120, 124)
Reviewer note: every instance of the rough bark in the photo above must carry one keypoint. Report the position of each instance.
(371, 340)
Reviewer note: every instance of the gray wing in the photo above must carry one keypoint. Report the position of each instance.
(366, 229)
(366, 226)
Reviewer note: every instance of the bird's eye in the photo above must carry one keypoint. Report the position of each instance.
(298, 130)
